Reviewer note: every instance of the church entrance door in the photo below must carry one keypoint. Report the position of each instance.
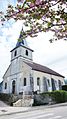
(13, 86)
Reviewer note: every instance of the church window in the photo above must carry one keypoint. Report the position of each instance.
(38, 81)
(60, 84)
(55, 83)
(5, 85)
(48, 82)
(13, 86)
(24, 81)
(27, 52)
(15, 53)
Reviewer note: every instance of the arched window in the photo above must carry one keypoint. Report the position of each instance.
(27, 52)
(15, 53)
(48, 81)
(24, 81)
(38, 81)
(13, 86)
(60, 84)
(5, 85)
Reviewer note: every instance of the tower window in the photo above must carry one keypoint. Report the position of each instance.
(27, 52)
(5, 85)
(15, 53)
(24, 81)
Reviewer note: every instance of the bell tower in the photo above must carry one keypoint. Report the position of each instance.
(21, 50)
(20, 53)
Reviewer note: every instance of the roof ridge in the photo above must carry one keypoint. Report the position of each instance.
(43, 68)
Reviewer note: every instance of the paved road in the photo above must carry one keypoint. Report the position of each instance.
(49, 113)
(2, 104)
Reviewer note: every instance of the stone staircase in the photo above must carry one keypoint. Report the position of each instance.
(24, 101)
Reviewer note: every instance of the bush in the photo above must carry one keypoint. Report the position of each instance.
(55, 97)
(40, 100)
(37, 103)
(4, 97)
(8, 98)
(59, 96)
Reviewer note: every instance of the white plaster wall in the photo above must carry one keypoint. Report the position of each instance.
(21, 51)
(18, 53)
(26, 74)
(16, 65)
(41, 75)
(7, 90)
(24, 53)
(48, 76)
(18, 72)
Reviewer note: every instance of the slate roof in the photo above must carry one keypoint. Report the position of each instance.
(41, 68)
(21, 46)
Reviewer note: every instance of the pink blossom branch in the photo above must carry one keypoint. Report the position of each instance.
(31, 7)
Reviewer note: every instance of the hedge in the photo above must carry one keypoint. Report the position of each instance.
(54, 97)
(59, 96)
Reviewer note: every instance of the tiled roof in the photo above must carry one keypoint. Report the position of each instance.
(41, 68)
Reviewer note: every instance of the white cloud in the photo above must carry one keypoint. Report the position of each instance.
(4, 59)
(8, 41)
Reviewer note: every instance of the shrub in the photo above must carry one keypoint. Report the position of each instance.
(4, 97)
(40, 100)
(8, 98)
(37, 103)
(54, 96)
(59, 96)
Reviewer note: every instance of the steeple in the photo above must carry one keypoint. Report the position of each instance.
(21, 40)
(21, 49)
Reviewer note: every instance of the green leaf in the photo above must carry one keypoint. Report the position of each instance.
(49, 24)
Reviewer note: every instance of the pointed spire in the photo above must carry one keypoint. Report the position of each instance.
(21, 39)
(21, 34)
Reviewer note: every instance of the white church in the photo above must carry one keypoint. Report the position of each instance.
(24, 75)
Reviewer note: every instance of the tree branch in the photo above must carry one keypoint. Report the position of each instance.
(31, 7)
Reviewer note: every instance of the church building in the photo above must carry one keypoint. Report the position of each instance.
(24, 75)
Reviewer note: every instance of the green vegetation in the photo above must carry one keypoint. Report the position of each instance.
(51, 98)
(39, 16)
(59, 96)
(39, 99)
(8, 98)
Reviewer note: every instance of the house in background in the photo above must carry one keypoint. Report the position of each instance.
(24, 75)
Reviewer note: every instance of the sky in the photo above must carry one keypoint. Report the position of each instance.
(52, 55)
